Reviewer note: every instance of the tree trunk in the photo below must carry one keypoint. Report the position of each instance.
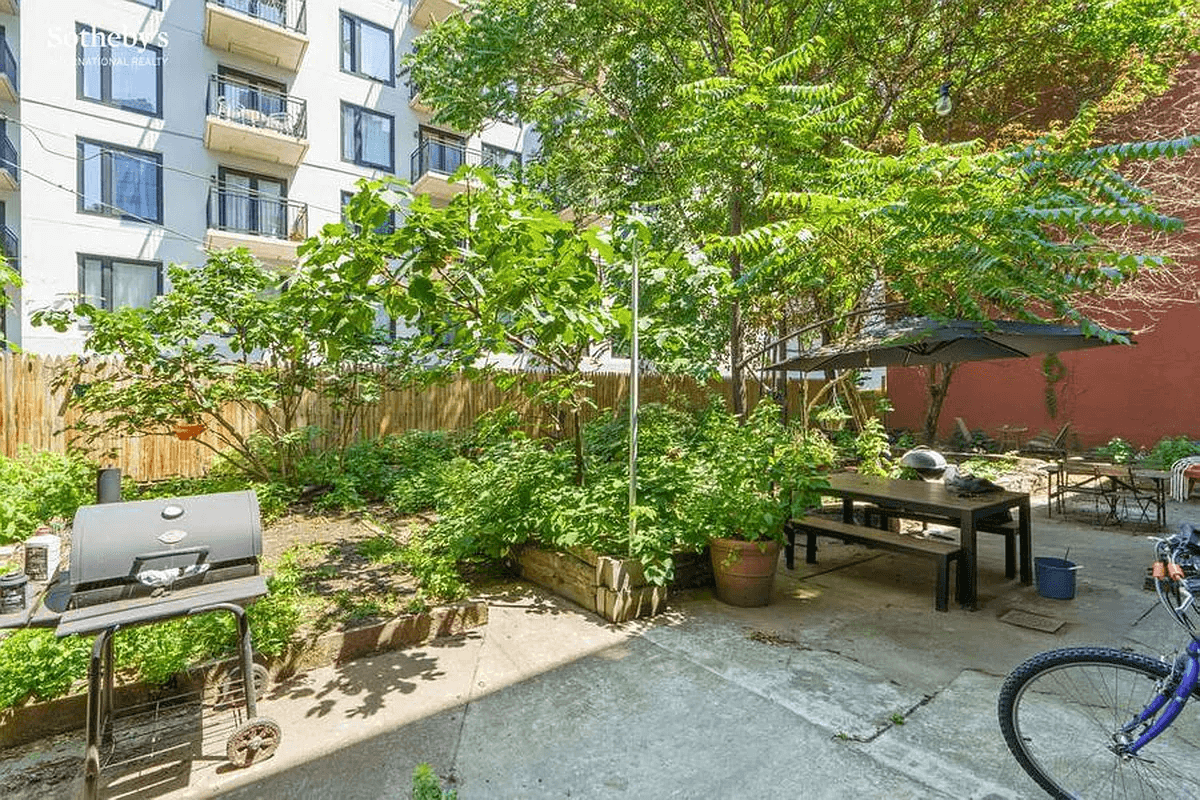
(937, 385)
(578, 447)
(737, 383)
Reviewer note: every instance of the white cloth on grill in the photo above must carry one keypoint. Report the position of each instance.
(163, 578)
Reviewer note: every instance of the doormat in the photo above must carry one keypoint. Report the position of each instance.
(1037, 622)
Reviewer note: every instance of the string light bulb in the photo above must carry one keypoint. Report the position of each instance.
(944, 105)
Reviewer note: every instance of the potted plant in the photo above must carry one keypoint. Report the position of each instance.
(749, 480)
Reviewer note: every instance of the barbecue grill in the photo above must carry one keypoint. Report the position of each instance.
(147, 561)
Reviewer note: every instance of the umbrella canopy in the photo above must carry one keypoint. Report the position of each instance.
(917, 340)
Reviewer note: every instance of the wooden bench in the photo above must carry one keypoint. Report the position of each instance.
(942, 552)
(1008, 529)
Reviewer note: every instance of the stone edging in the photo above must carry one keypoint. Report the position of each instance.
(30, 722)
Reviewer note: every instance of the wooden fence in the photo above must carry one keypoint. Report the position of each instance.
(34, 415)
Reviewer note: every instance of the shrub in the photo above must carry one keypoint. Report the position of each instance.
(37, 486)
(34, 664)
(1168, 450)
(274, 498)
(1117, 449)
(403, 469)
(522, 491)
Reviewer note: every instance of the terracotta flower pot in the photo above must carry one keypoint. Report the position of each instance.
(187, 431)
(744, 571)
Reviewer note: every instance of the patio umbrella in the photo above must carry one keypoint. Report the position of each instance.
(917, 341)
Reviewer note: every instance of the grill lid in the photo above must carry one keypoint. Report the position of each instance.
(114, 541)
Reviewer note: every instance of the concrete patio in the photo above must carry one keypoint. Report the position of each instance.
(848, 684)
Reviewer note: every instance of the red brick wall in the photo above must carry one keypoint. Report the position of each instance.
(1140, 393)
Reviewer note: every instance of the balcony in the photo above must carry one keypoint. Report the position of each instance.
(9, 88)
(434, 161)
(255, 122)
(10, 165)
(415, 102)
(271, 31)
(432, 164)
(9, 245)
(423, 13)
(269, 226)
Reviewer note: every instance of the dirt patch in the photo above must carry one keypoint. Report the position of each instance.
(347, 566)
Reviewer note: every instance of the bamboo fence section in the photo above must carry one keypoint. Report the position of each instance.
(33, 415)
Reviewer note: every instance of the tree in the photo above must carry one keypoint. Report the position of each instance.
(962, 231)
(679, 106)
(232, 336)
(493, 273)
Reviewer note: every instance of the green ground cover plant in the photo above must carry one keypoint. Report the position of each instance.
(34, 665)
(426, 786)
(990, 468)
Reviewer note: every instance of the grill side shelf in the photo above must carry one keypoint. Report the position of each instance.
(139, 611)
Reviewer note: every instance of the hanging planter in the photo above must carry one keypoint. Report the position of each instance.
(186, 431)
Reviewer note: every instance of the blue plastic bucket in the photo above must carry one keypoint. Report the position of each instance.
(1055, 578)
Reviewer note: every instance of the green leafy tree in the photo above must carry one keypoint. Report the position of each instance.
(495, 273)
(702, 110)
(232, 337)
(966, 231)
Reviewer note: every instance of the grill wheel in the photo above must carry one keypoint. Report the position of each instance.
(254, 741)
(231, 686)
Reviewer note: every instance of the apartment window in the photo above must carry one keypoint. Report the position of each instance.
(367, 137)
(388, 226)
(367, 50)
(118, 71)
(119, 182)
(112, 283)
(249, 203)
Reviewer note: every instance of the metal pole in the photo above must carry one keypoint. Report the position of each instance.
(634, 375)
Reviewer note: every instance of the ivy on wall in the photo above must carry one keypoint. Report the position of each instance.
(1054, 371)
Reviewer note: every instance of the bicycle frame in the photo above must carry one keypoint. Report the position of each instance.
(1176, 700)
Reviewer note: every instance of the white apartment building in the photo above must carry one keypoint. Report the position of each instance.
(140, 133)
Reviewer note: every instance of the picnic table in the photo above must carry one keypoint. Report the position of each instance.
(922, 500)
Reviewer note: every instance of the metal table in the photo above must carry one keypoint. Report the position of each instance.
(1107, 483)
(919, 497)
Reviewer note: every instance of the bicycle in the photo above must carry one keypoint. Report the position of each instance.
(1103, 722)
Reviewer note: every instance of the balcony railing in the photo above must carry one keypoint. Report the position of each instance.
(441, 157)
(10, 159)
(8, 242)
(446, 157)
(287, 14)
(256, 214)
(246, 104)
(8, 65)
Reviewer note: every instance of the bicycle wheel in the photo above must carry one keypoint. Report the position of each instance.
(1061, 710)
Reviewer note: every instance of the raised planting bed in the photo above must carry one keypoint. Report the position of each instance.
(32, 721)
(614, 588)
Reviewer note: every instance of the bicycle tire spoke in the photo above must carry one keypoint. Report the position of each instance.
(1061, 713)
